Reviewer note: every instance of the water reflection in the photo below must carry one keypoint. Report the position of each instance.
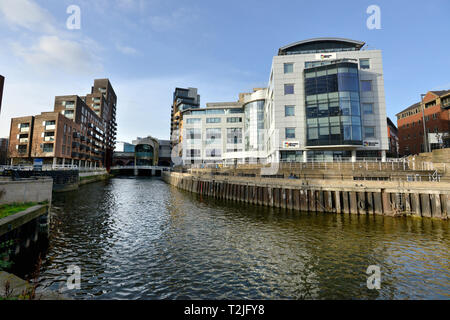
(142, 239)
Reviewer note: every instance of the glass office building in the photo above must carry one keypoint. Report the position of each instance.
(333, 109)
(254, 125)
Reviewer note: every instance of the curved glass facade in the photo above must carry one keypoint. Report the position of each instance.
(144, 155)
(254, 126)
(333, 112)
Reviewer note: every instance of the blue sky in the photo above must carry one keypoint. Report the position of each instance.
(149, 47)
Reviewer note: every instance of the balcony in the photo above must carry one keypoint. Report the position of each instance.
(446, 104)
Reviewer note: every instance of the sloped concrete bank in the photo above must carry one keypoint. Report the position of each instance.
(19, 289)
(89, 178)
(387, 198)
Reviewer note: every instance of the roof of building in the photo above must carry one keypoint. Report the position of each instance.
(321, 43)
(223, 104)
(415, 105)
(441, 92)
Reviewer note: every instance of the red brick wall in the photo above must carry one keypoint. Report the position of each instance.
(415, 140)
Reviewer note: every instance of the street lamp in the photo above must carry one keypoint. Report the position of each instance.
(425, 136)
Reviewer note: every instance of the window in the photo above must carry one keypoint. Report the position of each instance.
(213, 135)
(369, 132)
(215, 111)
(193, 120)
(47, 147)
(234, 119)
(234, 135)
(288, 89)
(193, 134)
(290, 133)
(193, 153)
(212, 120)
(21, 149)
(234, 150)
(213, 153)
(367, 108)
(289, 111)
(288, 68)
(364, 63)
(366, 85)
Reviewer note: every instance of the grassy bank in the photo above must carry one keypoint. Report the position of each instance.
(9, 209)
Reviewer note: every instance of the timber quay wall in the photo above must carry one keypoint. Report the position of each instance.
(388, 198)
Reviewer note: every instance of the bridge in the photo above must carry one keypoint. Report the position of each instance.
(139, 170)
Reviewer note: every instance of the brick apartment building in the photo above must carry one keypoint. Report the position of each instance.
(2, 82)
(80, 131)
(436, 106)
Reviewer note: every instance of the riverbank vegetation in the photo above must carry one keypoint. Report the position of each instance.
(9, 209)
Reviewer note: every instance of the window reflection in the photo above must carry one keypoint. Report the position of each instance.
(332, 99)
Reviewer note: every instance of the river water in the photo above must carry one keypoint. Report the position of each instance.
(139, 238)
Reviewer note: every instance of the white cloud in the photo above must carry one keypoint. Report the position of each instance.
(47, 47)
(175, 19)
(127, 50)
(27, 14)
(54, 53)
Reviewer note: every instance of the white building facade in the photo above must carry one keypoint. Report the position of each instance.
(325, 101)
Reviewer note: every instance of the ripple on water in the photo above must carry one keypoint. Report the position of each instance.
(142, 239)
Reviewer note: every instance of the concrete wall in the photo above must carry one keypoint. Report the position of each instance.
(33, 190)
(420, 199)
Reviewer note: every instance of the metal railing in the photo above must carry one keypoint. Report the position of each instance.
(50, 168)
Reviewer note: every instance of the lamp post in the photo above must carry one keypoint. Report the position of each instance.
(425, 137)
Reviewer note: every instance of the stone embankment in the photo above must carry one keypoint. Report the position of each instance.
(388, 198)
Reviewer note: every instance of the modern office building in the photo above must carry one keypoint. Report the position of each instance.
(147, 151)
(214, 133)
(2, 83)
(393, 139)
(75, 133)
(324, 101)
(434, 110)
